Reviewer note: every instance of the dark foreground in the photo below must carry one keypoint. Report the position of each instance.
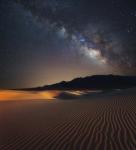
(106, 123)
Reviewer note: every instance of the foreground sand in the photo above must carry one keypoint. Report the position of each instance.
(106, 123)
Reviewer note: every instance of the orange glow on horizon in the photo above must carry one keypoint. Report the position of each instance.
(50, 94)
(7, 95)
(22, 95)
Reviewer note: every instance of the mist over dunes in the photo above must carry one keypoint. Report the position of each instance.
(98, 123)
(69, 119)
(67, 74)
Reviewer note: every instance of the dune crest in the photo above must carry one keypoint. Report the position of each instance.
(104, 123)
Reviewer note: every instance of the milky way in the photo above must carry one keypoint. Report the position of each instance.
(45, 41)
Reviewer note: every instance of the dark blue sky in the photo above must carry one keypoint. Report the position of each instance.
(46, 41)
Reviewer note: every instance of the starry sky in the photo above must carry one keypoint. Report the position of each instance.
(47, 41)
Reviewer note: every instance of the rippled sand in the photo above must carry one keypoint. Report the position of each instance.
(104, 123)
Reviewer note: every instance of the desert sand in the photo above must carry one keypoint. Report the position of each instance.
(99, 123)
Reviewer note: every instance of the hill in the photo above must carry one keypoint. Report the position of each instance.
(96, 82)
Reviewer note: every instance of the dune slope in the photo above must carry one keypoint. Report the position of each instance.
(98, 124)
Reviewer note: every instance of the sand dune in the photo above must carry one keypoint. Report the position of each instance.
(93, 124)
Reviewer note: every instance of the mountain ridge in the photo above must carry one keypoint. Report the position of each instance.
(95, 82)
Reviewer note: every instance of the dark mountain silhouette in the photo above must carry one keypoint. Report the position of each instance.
(96, 82)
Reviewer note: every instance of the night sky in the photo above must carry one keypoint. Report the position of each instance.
(46, 41)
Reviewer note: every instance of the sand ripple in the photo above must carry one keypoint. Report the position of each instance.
(101, 124)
